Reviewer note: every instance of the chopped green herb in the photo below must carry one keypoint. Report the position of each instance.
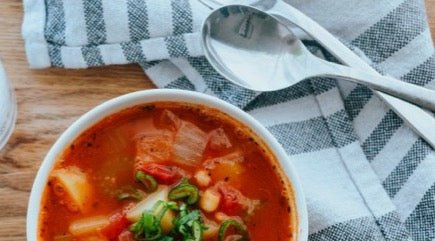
(129, 193)
(185, 190)
(149, 182)
(232, 223)
(188, 224)
(197, 230)
(130, 196)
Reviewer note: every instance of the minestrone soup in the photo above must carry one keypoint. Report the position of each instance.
(167, 172)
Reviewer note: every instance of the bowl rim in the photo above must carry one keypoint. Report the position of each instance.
(117, 104)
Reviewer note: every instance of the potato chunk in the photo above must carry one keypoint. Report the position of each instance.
(209, 201)
(202, 178)
(72, 186)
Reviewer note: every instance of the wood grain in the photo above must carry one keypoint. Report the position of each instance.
(48, 102)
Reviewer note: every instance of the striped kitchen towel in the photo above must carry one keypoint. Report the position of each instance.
(365, 174)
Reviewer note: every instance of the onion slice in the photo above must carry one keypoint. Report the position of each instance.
(189, 144)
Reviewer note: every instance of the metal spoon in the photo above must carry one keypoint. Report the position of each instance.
(255, 50)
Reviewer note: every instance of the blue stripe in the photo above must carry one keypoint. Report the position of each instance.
(388, 228)
(392, 227)
(299, 90)
(133, 52)
(95, 26)
(421, 222)
(92, 56)
(394, 31)
(146, 65)
(422, 74)
(341, 129)
(398, 177)
(304, 136)
(321, 85)
(381, 135)
(356, 100)
(181, 83)
(138, 20)
(54, 51)
(176, 46)
(182, 19)
(221, 87)
(55, 23)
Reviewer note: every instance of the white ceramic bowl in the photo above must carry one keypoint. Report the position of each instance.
(142, 97)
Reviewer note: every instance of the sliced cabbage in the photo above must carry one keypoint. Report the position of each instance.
(189, 144)
(218, 140)
(170, 120)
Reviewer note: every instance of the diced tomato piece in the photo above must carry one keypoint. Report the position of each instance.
(163, 174)
(126, 236)
(117, 223)
(232, 200)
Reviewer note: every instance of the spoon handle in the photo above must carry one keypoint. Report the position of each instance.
(413, 93)
(421, 121)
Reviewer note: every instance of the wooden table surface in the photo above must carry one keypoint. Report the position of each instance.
(48, 102)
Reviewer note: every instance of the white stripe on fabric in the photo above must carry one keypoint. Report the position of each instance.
(116, 20)
(330, 101)
(199, 13)
(369, 118)
(361, 15)
(158, 21)
(33, 33)
(154, 49)
(301, 109)
(393, 152)
(398, 64)
(191, 74)
(325, 178)
(73, 58)
(414, 189)
(164, 73)
(366, 180)
(75, 24)
(193, 44)
(112, 54)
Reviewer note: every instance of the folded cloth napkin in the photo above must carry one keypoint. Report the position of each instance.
(365, 174)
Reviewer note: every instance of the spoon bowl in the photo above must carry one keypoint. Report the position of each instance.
(256, 50)
(257, 45)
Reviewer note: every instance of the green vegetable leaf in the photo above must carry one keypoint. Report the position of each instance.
(188, 224)
(184, 190)
(149, 182)
(227, 224)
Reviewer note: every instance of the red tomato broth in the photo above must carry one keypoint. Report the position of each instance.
(106, 153)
